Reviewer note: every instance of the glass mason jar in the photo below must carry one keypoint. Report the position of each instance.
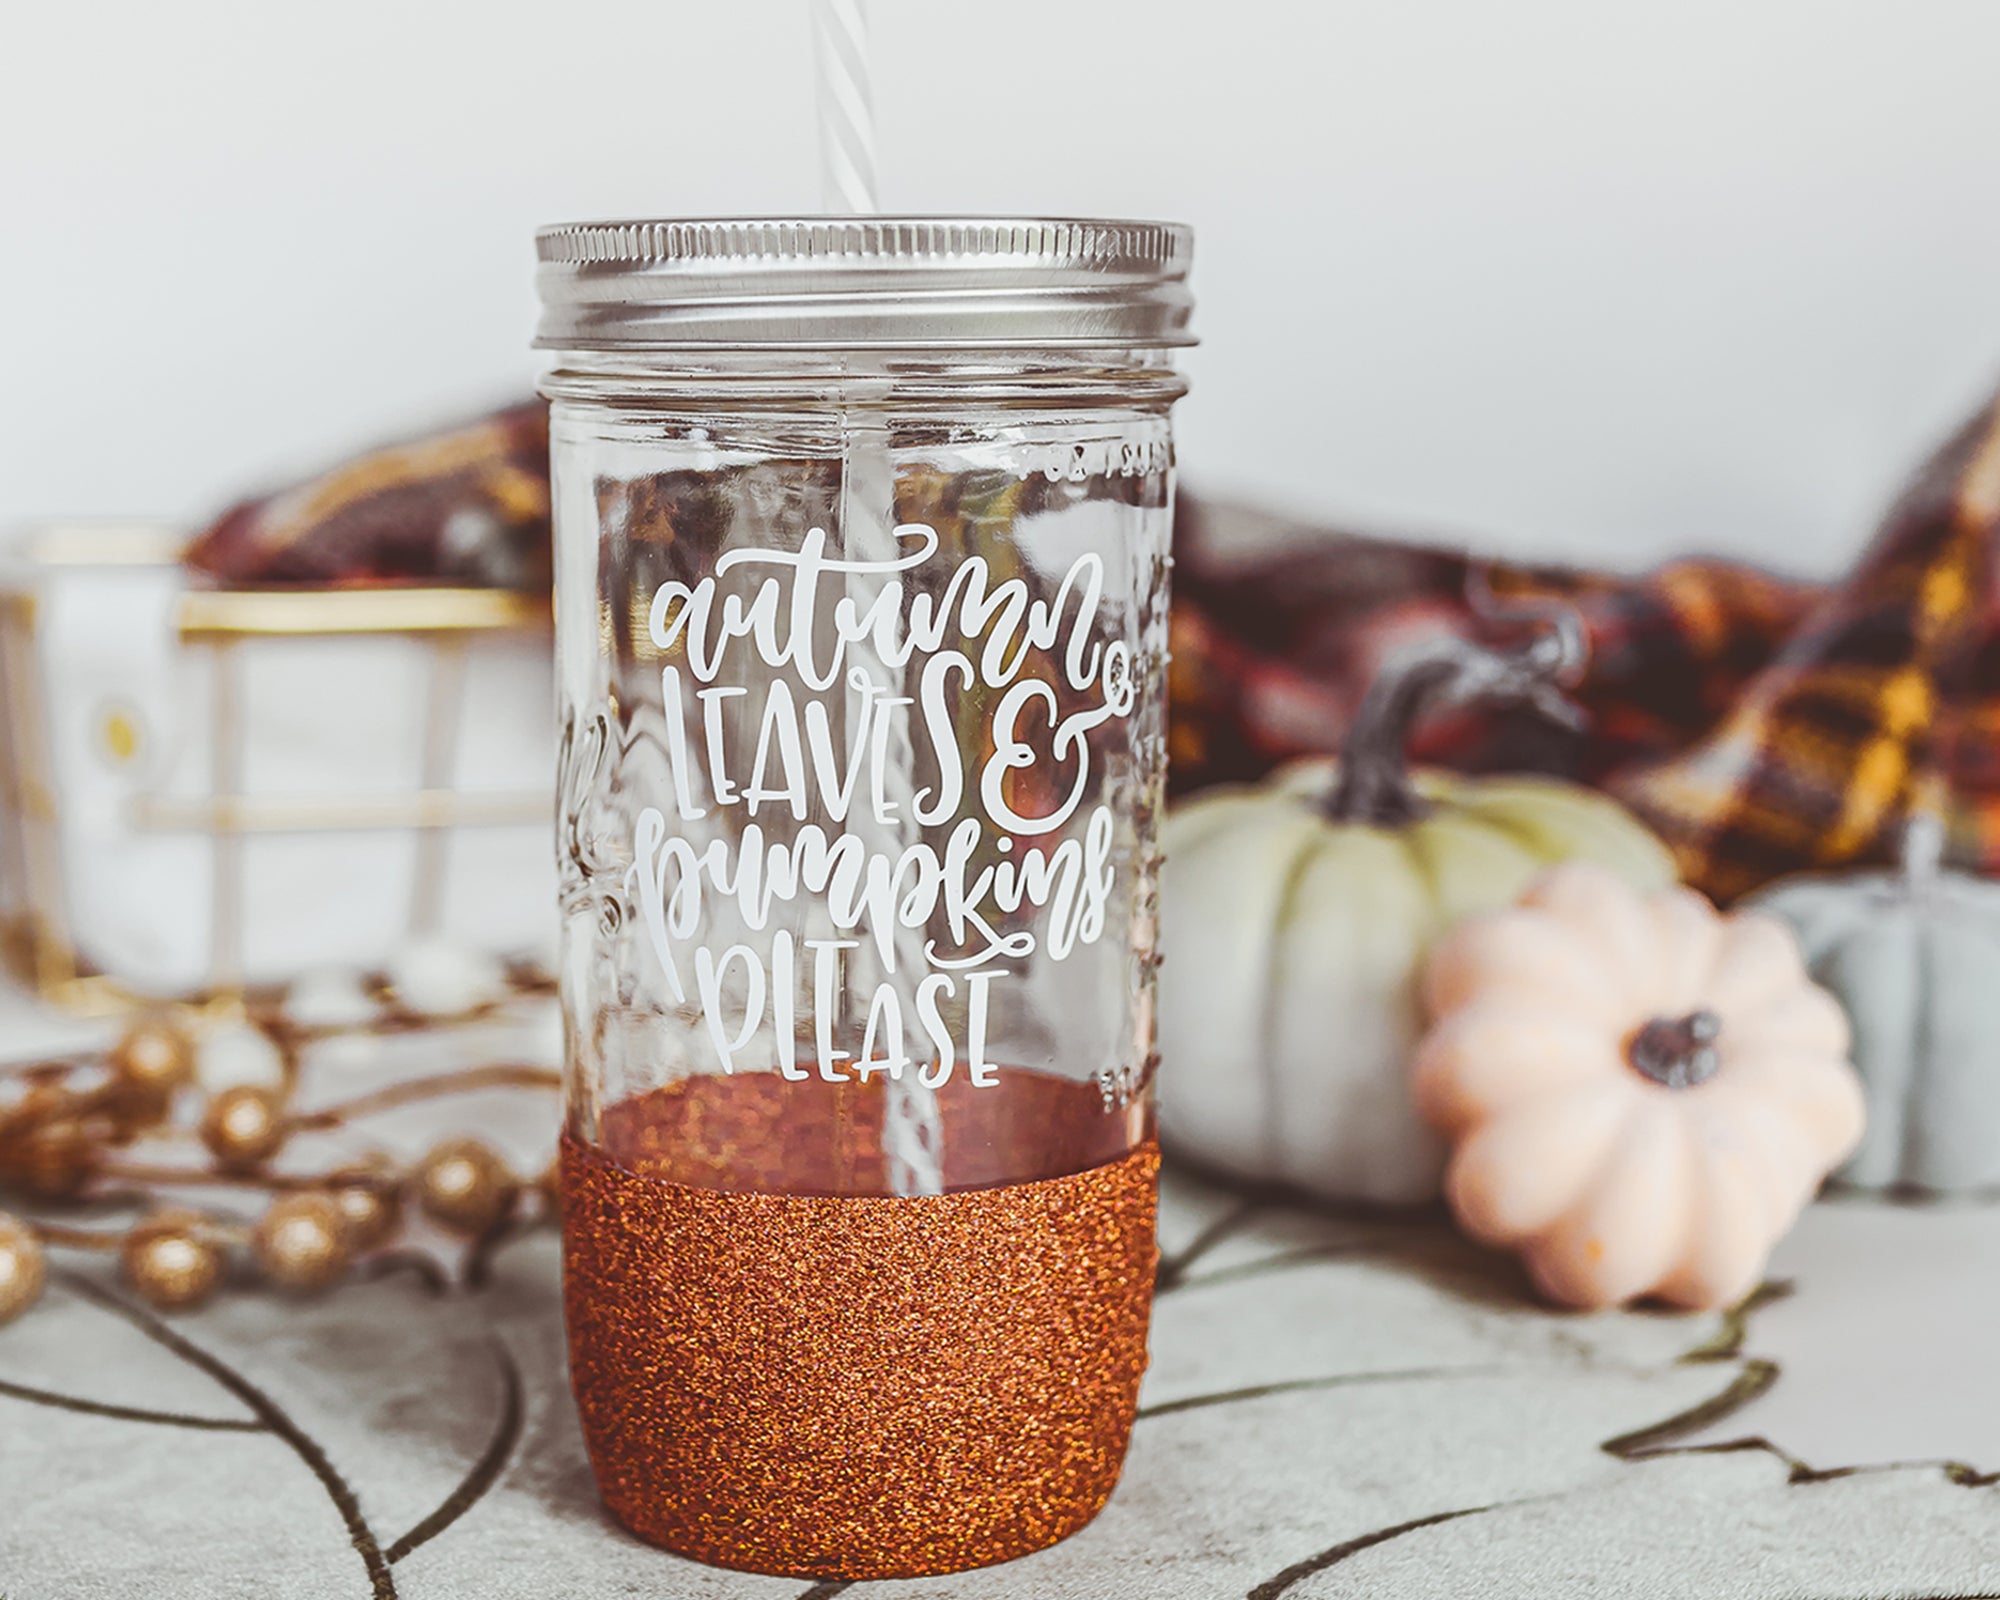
(862, 534)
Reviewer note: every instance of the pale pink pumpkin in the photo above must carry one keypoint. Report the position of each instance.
(1641, 1093)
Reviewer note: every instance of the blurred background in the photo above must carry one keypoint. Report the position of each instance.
(1556, 281)
(1555, 278)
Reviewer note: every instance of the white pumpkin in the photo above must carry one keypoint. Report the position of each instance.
(1296, 916)
(1914, 956)
(1641, 1093)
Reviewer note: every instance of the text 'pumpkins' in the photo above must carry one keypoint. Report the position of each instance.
(1296, 917)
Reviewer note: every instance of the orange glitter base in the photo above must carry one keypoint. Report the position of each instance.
(857, 1387)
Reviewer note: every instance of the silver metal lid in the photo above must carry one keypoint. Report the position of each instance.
(864, 282)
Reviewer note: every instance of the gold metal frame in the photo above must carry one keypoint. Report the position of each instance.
(35, 940)
(222, 614)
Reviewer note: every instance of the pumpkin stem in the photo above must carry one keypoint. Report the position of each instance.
(1677, 1052)
(1374, 785)
(1923, 847)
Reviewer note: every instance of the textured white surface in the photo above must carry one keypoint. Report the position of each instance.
(1317, 1381)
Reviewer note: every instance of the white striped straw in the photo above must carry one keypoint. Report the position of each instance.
(912, 1135)
(846, 110)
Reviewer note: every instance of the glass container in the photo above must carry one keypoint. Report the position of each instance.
(862, 544)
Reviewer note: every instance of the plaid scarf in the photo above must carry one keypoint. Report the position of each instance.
(1761, 726)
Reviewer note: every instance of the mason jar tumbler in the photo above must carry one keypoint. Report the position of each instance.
(862, 546)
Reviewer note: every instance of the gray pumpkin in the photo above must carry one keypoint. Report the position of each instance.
(1914, 956)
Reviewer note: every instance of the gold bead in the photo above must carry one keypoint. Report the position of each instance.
(244, 1127)
(40, 1103)
(301, 1241)
(153, 1060)
(52, 1160)
(170, 1258)
(23, 1267)
(462, 1185)
(369, 1213)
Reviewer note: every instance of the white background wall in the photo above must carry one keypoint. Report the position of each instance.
(1574, 277)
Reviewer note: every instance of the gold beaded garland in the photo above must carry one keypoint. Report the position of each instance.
(369, 1214)
(54, 1160)
(244, 1127)
(67, 1130)
(23, 1267)
(170, 1258)
(462, 1185)
(301, 1241)
(151, 1061)
(41, 1102)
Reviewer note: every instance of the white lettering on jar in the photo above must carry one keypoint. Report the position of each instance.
(820, 745)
